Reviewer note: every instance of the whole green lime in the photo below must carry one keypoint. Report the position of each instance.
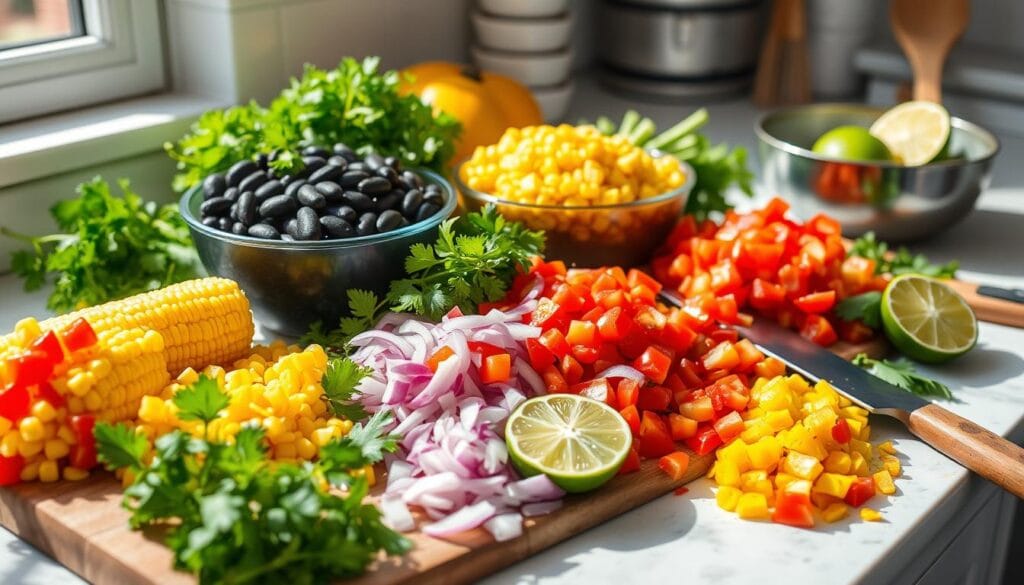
(852, 143)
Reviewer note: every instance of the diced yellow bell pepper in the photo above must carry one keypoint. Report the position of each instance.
(883, 482)
(835, 512)
(869, 515)
(776, 395)
(756, 430)
(783, 479)
(779, 419)
(822, 500)
(736, 453)
(834, 484)
(802, 466)
(856, 427)
(752, 506)
(826, 390)
(855, 412)
(892, 465)
(727, 496)
(757, 482)
(800, 439)
(859, 465)
(837, 462)
(820, 423)
(862, 447)
(726, 473)
(798, 384)
(886, 447)
(765, 453)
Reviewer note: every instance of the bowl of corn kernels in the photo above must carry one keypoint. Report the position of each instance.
(601, 199)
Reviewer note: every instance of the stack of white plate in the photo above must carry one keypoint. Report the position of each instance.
(528, 40)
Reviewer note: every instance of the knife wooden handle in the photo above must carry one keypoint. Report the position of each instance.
(987, 308)
(977, 449)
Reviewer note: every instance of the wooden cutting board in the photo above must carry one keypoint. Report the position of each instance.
(83, 527)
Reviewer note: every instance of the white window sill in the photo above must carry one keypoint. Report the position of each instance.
(65, 142)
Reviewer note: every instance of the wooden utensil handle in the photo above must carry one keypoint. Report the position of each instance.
(977, 449)
(987, 308)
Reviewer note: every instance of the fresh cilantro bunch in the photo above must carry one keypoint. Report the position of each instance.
(355, 104)
(110, 247)
(236, 517)
(899, 261)
(340, 381)
(865, 307)
(901, 373)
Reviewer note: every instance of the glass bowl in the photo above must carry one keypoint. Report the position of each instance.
(292, 284)
(623, 234)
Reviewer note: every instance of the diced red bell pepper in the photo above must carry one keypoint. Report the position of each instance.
(655, 398)
(681, 427)
(15, 403)
(10, 469)
(31, 368)
(440, 354)
(632, 417)
(584, 354)
(572, 369)
(841, 432)
(484, 349)
(540, 356)
(612, 325)
(816, 303)
(654, 364)
(817, 329)
(675, 464)
(555, 342)
(632, 462)
(862, 490)
(79, 335)
(765, 295)
(496, 368)
(547, 314)
(49, 346)
(554, 381)
(729, 426)
(639, 278)
(627, 392)
(599, 389)
(655, 439)
(793, 509)
(705, 441)
(83, 453)
(46, 392)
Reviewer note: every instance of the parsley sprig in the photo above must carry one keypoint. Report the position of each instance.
(899, 261)
(110, 247)
(236, 517)
(901, 373)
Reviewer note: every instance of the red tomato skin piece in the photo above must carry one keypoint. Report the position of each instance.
(79, 335)
(655, 439)
(675, 464)
(862, 490)
(10, 470)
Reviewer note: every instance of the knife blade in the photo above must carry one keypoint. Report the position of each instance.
(963, 441)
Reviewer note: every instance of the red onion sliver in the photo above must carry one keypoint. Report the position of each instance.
(621, 371)
(505, 526)
(465, 519)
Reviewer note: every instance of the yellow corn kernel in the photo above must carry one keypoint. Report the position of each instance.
(152, 409)
(752, 506)
(727, 497)
(869, 515)
(44, 411)
(75, 474)
(55, 449)
(305, 448)
(834, 484)
(835, 512)
(32, 429)
(30, 472)
(892, 465)
(66, 434)
(883, 482)
(48, 471)
(285, 451)
(370, 475)
(802, 466)
(9, 443)
(837, 462)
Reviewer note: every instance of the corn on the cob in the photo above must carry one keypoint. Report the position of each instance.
(138, 343)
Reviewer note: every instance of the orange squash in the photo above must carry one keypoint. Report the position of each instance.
(485, 103)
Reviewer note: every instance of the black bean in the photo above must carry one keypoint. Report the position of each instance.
(232, 193)
(253, 181)
(315, 151)
(367, 224)
(332, 192)
(307, 224)
(310, 196)
(225, 224)
(216, 206)
(336, 227)
(338, 161)
(393, 162)
(357, 201)
(389, 201)
(286, 180)
(390, 174)
(411, 202)
(246, 208)
(214, 186)
(388, 221)
(211, 221)
(345, 152)
(411, 180)
(262, 230)
(359, 166)
(350, 179)
(278, 206)
(268, 190)
(287, 238)
(292, 190)
(291, 227)
(238, 228)
(426, 210)
(374, 161)
(239, 171)
(344, 212)
(375, 186)
(233, 212)
(326, 173)
(434, 197)
(432, 188)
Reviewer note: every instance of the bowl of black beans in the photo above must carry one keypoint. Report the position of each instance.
(297, 241)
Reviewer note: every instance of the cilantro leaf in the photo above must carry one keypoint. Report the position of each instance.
(900, 261)
(370, 437)
(118, 446)
(203, 400)
(340, 381)
(866, 307)
(901, 373)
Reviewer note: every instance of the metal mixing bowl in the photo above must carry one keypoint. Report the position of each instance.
(292, 284)
(898, 203)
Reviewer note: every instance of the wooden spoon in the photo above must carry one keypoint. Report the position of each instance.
(927, 30)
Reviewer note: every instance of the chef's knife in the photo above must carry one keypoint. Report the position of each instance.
(991, 303)
(977, 449)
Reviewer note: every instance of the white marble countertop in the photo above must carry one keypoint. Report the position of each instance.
(677, 536)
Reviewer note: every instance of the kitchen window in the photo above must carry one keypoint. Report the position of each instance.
(61, 54)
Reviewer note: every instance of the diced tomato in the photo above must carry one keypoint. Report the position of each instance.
(555, 342)
(654, 398)
(689, 372)
(722, 357)
(46, 392)
(862, 490)
(681, 427)
(636, 278)
(482, 309)
(792, 281)
(547, 314)
(484, 349)
(554, 381)
(655, 439)
(571, 369)
(581, 333)
(584, 354)
(816, 303)
(627, 392)
(79, 335)
(817, 329)
(675, 464)
(729, 426)
(765, 295)
(440, 354)
(793, 509)
(49, 346)
(857, 273)
(654, 364)
(841, 431)
(699, 409)
(632, 462)
(769, 368)
(592, 315)
(599, 389)
(705, 441)
(31, 368)
(750, 356)
(496, 368)
(612, 325)
(540, 356)
(632, 417)
(10, 469)
(15, 403)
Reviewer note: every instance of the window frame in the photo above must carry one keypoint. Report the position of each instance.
(120, 55)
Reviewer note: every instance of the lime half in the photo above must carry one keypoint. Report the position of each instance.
(852, 143)
(927, 320)
(916, 133)
(578, 442)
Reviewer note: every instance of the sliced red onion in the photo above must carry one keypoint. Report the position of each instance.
(541, 508)
(465, 519)
(396, 514)
(505, 526)
(533, 489)
(621, 371)
(377, 335)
